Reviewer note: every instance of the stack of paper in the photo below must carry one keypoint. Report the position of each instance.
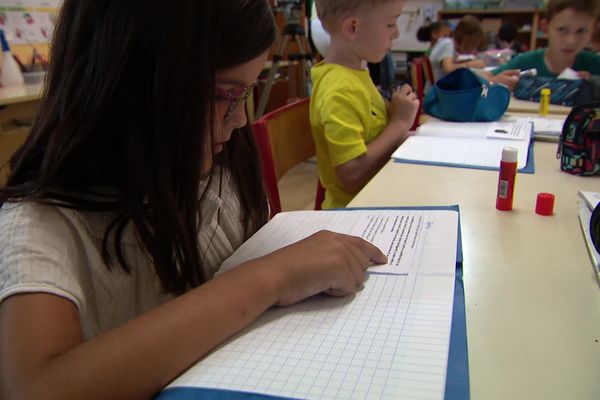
(548, 129)
(474, 145)
(589, 201)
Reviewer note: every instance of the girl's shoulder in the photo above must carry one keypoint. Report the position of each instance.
(33, 221)
(19, 217)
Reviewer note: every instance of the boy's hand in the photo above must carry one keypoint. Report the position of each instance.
(510, 78)
(404, 106)
(584, 74)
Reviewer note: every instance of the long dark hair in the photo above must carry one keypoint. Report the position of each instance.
(126, 103)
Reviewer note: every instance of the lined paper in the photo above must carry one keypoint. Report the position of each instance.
(472, 152)
(466, 144)
(389, 341)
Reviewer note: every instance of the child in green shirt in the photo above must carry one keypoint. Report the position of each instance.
(569, 25)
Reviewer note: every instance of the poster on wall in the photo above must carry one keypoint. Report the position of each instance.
(415, 14)
(47, 3)
(28, 21)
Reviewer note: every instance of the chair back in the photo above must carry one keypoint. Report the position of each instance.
(428, 70)
(418, 84)
(284, 140)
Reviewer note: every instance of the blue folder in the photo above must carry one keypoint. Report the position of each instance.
(457, 375)
(527, 169)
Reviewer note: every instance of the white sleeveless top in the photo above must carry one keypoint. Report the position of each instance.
(59, 251)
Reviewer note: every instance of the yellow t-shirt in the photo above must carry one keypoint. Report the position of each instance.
(346, 113)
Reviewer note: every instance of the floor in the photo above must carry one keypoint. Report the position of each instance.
(298, 187)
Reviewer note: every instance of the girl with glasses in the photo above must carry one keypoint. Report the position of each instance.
(139, 177)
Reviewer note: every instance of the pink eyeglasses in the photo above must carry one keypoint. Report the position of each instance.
(234, 97)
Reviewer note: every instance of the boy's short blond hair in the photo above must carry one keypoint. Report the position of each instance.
(332, 12)
(591, 7)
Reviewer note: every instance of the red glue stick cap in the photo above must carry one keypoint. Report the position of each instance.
(544, 204)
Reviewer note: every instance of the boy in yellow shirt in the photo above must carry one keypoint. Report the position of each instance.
(354, 128)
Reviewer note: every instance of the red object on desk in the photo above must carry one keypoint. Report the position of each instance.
(506, 181)
(544, 204)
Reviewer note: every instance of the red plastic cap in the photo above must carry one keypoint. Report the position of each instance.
(544, 204)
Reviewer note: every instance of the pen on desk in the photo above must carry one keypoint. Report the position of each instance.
(500, 131)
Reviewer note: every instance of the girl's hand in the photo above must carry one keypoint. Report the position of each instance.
(325, 262)
(475, 64)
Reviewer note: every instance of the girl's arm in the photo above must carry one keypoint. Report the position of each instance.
(44, 355)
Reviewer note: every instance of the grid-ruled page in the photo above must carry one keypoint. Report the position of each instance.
(389, 341)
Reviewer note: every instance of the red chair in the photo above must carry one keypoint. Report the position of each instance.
(284, 140)
(418, 84)
(428, 70)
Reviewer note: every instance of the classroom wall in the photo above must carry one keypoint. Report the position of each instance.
(28, 24)
(414, 15)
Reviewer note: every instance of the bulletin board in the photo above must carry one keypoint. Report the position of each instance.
(27, 22)
(415, 14)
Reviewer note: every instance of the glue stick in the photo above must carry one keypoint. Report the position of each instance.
(506, 180)
(545, 101)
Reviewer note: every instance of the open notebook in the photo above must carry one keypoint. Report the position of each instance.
(587, 203)
(390, 340)
(472, 145)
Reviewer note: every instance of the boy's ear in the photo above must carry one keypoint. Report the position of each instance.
(349, 27)
(544, 26)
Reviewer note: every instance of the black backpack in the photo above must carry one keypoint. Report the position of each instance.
(579, 146)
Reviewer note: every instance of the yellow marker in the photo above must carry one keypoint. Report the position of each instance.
(545, 102)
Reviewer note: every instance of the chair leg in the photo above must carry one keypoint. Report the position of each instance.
(320, 196)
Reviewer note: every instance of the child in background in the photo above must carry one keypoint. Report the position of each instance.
(432, 33)
(106, 268)
(468, 39)
(355, 130)
(505, 39)
(568, 25)
(594, 44)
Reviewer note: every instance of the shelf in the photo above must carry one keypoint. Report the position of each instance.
(518, 16)
(476, 11)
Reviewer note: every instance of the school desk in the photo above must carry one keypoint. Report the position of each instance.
(532, 299)
(523, 106)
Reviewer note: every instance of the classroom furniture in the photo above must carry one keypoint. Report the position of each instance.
(284, 140)
(532, 107)
(417, 75)
(18, 106)
(532, 297)
(527, 20)
(428, 70)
